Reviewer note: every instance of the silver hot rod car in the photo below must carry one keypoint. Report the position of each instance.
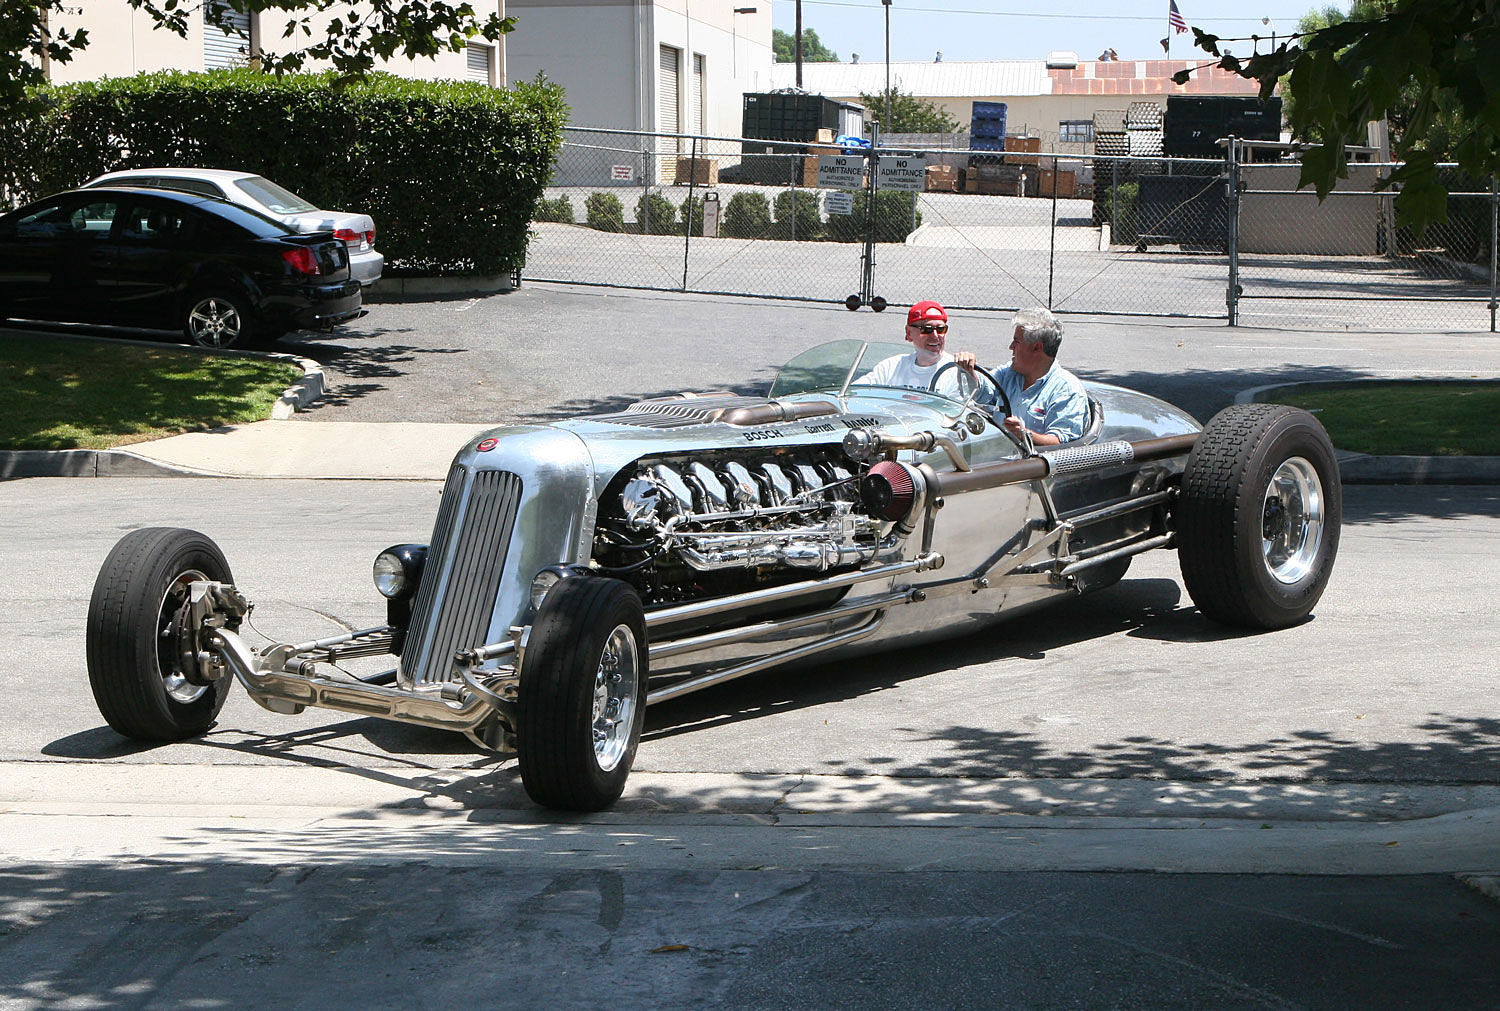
(581, 570)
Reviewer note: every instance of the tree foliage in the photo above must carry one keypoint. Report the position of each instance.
(909, 114)
(346, 36)
(1433, 62)
(784, 47)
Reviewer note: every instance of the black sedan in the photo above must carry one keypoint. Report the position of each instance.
(224, 275)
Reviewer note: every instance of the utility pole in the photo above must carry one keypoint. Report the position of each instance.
(799, 45)
(887, 124)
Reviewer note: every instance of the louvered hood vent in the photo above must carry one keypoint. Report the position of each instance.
(723, 409)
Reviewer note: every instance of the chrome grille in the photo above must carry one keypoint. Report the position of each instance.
(477, 544)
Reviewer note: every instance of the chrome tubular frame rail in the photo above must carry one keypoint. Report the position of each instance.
(285, 691)
(761, 663)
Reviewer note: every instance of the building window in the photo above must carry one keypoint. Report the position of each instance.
(223, 49)
(1075, 131)
(480, 64)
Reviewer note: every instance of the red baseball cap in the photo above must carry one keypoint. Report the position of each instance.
(925, 311)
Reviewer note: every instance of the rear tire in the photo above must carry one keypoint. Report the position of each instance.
(1258, 516)
(582, 702)
(132, 639)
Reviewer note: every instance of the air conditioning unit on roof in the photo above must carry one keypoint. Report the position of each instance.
(1061, 59)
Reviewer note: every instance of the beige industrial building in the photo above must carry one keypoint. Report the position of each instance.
(1055, 99)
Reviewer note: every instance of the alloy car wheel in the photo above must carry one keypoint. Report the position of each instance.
(1257, 518)
(217, 321)
(582, 700)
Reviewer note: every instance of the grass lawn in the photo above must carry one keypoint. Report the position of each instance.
(1408, 419)
(65, 394)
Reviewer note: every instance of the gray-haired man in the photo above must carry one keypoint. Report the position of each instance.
(1044, 397)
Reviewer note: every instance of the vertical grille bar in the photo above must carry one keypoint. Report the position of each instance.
(453, 612)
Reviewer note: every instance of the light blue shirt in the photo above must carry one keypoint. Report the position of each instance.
(1055, 404)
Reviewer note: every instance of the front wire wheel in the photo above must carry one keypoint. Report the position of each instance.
(582, 701)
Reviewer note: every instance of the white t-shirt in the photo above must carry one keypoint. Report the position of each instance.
(903, 370)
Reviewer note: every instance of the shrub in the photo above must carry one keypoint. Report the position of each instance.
(692, 210)
(1119, 210)
(451, 171)
(797, 215)
(895, 217)
(655, 214)
(851, 227)
(603, 211)
(560, 209)
(747, 216)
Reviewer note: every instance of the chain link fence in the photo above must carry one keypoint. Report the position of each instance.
(1095, 234)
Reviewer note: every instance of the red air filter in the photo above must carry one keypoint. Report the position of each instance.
(888, 490)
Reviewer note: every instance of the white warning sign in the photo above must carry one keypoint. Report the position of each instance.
(902, 174)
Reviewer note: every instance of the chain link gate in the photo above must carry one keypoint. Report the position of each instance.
(1153, 236)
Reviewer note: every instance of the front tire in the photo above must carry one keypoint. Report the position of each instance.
(133, 641)
(1258, 516)
(582, 701)
(218, 319)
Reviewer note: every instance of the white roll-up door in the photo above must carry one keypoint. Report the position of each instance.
(671, 60)
(697, 98)
(226, 49)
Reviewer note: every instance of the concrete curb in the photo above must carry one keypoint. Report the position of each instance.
(418, 289)
(1361, 468)
(310, 387)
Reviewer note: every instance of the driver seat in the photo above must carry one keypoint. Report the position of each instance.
(1092, 427)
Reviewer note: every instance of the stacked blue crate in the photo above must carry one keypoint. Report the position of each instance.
(987, 130)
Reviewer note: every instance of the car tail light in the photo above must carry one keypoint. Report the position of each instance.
(301, 260)
(352, 238)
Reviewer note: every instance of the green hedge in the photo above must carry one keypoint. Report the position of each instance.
(450, 170)
(656, 215)
(797, 215)
(559, 210)
(895, 217)
(747, 216)
(604, 212)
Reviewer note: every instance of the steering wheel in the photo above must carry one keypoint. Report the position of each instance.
(973, 395)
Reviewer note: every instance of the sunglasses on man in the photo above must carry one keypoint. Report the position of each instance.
(929, 327)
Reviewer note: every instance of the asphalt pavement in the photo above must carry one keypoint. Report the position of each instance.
(148, 879)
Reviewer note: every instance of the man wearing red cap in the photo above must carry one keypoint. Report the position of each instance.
(927, 329)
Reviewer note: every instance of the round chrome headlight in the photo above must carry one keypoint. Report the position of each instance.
(541, 583)
(398, 570)
(390, 575)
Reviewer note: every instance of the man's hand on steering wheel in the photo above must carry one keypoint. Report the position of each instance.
(967, 361)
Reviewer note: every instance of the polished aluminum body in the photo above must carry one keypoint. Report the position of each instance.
(745, 526)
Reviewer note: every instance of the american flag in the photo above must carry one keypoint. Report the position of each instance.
(1174, 17)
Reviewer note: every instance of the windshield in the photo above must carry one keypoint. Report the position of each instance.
(826, 366)
(273, 197)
